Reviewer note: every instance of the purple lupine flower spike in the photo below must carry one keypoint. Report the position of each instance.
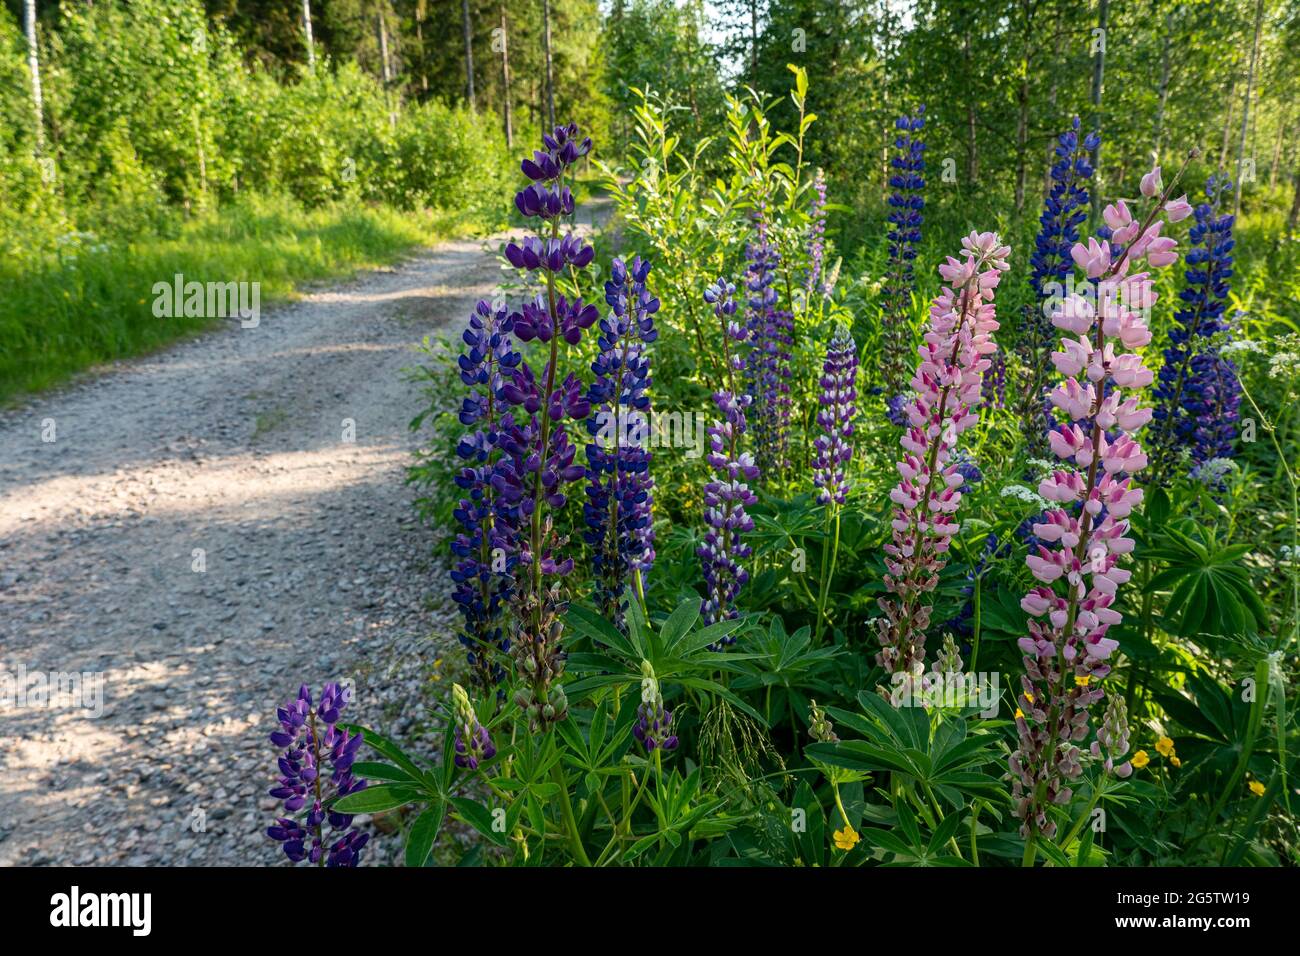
(619, 487)
(727, 494)
(817, 237)
(538, 457)
(484, 551)
(315, 747)
(768, 372)
(905, 204)
(1064, 210)
(834, 447)
(1197, 394)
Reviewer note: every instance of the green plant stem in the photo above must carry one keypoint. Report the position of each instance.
(828, 568)
(1079, 824)
(570, 823)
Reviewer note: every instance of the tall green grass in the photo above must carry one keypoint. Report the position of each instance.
(92, 301)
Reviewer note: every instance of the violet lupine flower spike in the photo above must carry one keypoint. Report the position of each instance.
(727, 494)
(1197, 394)
(838, 400)
(768, 372)
(954, 356)
(539, 458)
(313, 746)
(906, 203)
(619, 487)
(1067, 651)
(484, 551)
(817, 237)
(1064, 210)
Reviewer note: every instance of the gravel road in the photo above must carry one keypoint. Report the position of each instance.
(206, 532)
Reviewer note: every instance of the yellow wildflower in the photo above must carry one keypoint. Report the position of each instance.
(847, 838)
(1257, 788)
(1140, 759)
(1165, 747)
(1083, 681)
(1175, 761)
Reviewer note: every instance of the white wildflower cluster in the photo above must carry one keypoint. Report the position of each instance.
(1241, 346)
(1028, 496)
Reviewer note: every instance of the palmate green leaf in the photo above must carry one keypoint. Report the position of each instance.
(590, 623)
(944, 832)
(860, 755)
(910, 726)
(580, 687)
(888, 841)
(1211, 593)
(697, 641)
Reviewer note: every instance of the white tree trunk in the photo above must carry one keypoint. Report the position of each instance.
(469, 54)
(1245, 109)
(34, 64)
(306, 26)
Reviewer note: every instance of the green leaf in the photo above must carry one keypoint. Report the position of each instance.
(479, 817)
(368, 770)
(679, 624)
(423, 833)
(378, 799)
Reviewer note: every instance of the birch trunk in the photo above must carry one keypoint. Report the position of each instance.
(34, 65)
(469, 55)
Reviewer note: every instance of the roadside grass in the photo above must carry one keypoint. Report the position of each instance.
(93, 301)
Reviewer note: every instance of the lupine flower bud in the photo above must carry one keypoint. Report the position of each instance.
(820, 727)
(1113, 737)
(472, 741)
(654, 724)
